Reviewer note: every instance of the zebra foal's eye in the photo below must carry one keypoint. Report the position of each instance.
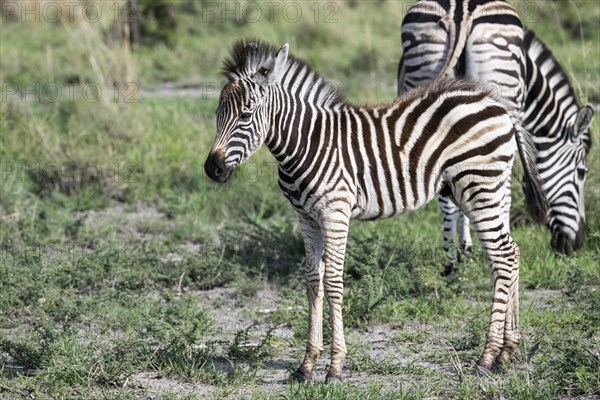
(581, 172)
(245, 116)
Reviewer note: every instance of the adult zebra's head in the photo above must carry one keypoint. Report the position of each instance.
(243, 112)
(567, 181)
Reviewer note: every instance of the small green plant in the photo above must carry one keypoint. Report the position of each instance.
(249, 349)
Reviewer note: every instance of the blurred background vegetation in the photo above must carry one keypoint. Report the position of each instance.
(154, 41)
(130, 58)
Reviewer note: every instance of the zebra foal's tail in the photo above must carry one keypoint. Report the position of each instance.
(535, 196)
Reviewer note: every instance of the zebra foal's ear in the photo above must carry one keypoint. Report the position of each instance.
(273, 69)
(583, 120)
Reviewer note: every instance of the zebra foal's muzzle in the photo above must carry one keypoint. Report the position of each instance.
(215, 168)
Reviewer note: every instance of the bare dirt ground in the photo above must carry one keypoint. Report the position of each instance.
(272, 376)
(378, 342)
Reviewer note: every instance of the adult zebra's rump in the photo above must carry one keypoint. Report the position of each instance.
(339, 161)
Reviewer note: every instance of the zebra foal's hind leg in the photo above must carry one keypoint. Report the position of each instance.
(452, 216)
(483, 206)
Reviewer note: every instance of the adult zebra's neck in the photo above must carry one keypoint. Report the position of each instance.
(551, 102)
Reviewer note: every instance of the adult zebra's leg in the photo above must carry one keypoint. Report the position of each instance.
(335, 231)
(451, 213)
(315, 269)
(464, 234)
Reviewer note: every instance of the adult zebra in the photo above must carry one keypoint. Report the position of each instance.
(484, 40)
(338, 161)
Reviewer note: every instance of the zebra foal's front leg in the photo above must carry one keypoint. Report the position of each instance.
(315, 269)
(325, 246)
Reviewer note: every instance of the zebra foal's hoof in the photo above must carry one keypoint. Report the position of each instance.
(333, 379)
(300, 377)
(498, 367)
(503, 360)
(483, 371)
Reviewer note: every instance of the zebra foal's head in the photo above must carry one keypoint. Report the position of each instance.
(567, 207)
(243, 114)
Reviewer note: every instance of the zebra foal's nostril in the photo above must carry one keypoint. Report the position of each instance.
(215, 168)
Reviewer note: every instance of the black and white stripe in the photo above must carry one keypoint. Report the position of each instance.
(339, 161)
(477, 39)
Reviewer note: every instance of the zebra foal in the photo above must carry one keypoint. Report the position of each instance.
(339, 161)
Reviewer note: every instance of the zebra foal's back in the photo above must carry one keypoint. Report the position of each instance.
(428, 138)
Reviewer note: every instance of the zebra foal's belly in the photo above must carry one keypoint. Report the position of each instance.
(368, 208)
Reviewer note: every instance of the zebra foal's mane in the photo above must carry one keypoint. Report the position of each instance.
(247, 56)
(441, 87)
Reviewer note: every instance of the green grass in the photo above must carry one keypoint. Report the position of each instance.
(120, 260)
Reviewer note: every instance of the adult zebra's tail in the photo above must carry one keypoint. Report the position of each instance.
(456, 21)
(535, 196)
(458, 29)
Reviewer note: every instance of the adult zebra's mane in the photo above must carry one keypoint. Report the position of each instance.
(247, 56)
(530, 42)
(545, 56)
